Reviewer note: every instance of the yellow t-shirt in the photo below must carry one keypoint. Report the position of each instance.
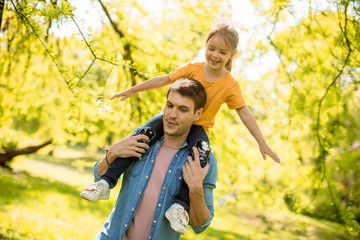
(225, 90)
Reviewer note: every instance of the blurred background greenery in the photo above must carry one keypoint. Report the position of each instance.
(298, 65)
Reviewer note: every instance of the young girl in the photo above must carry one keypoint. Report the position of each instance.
(221, 87)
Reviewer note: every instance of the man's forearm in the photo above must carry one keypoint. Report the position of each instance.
(194, 176)
(102, 167)
(104, 163)
(198, 211)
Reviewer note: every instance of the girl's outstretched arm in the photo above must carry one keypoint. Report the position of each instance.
(248, 119)
(152, 83)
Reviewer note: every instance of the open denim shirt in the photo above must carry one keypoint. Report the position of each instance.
(134, 182)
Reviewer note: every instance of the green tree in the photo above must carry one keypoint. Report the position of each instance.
(60, 86)
(318, 79)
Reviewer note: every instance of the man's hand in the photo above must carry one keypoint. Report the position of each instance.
(266, 150)
(124, 95)
(126, 147)
(129, 146)
(194, 175)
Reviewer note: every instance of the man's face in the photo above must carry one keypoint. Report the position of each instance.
(179, 114)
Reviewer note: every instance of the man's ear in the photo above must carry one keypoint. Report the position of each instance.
(198, 113)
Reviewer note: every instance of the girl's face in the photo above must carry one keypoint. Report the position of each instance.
(217, 53)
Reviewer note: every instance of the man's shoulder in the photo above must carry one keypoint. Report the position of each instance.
(212, 158)
(213, 164)
(212, 174)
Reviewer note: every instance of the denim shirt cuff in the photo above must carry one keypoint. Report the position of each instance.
(202, 228)
(96, 174)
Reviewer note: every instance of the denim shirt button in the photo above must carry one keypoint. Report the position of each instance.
(179, 178)
(169, 171)
(147, 176)
(140, 193)
(155, 221)
(133, 209)
(125, 225)
(159, 205)
(164, 188)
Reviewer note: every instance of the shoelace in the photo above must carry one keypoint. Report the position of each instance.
(180, 219)
(95, 187)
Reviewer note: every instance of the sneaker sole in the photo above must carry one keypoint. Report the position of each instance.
(84, 196)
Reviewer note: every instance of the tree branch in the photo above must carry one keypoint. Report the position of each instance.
(8, 154)
(126, 56)
(113, 24)
(2, 4)
(340, 72)
(32, 30)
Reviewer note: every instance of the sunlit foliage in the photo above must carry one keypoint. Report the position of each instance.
(307, 106)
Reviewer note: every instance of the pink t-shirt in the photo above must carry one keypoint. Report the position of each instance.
(140, 226)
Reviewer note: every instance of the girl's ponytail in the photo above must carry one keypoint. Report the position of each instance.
(228, 65)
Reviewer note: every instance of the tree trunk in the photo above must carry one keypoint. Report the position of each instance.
(7, 155)
(126, 56)
(2, 4)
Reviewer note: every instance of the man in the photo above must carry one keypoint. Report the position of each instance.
(150, 183)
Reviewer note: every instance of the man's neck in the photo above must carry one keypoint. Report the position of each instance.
(175, 141)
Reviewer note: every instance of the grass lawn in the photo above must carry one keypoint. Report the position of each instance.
(40, 199)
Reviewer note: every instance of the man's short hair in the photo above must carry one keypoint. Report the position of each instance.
(190, 88)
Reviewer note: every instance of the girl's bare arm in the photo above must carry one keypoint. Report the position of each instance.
(152, 83)
(248, 119)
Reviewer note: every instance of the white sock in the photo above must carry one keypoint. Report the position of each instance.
(105, 183)
(176, 205)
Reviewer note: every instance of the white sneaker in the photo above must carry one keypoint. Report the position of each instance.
(96, 191)
(178, 218)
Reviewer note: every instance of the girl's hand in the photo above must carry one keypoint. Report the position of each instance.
(124, 94)
(266, 150)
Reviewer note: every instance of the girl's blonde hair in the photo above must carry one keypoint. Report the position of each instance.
(227, 32)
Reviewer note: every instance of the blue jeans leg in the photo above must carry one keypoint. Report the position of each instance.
(196, 135)
(119, 165)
